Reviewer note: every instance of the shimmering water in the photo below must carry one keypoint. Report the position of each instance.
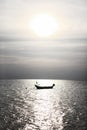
(23, 107)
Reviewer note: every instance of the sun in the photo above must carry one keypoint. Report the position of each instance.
(43, 25)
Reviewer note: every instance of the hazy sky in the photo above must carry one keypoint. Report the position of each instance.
(15, 16)
(47, 57)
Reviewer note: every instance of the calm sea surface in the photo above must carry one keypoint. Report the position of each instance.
(23, 107)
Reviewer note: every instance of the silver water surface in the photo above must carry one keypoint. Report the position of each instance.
(23, 107)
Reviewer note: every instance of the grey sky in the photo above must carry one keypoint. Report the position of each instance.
(23, 57)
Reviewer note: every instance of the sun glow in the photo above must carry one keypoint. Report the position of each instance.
(43, 25)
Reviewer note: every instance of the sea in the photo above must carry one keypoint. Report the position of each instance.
(24, 107)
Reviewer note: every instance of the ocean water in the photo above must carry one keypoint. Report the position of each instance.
(23, 107)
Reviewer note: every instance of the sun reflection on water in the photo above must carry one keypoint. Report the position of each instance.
(46, 107)
(48, 114)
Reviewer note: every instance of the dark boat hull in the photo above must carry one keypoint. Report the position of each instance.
(43, 87)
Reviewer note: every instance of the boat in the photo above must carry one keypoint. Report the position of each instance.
(44, 87)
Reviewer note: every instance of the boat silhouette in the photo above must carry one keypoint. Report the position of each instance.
(44, 87)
